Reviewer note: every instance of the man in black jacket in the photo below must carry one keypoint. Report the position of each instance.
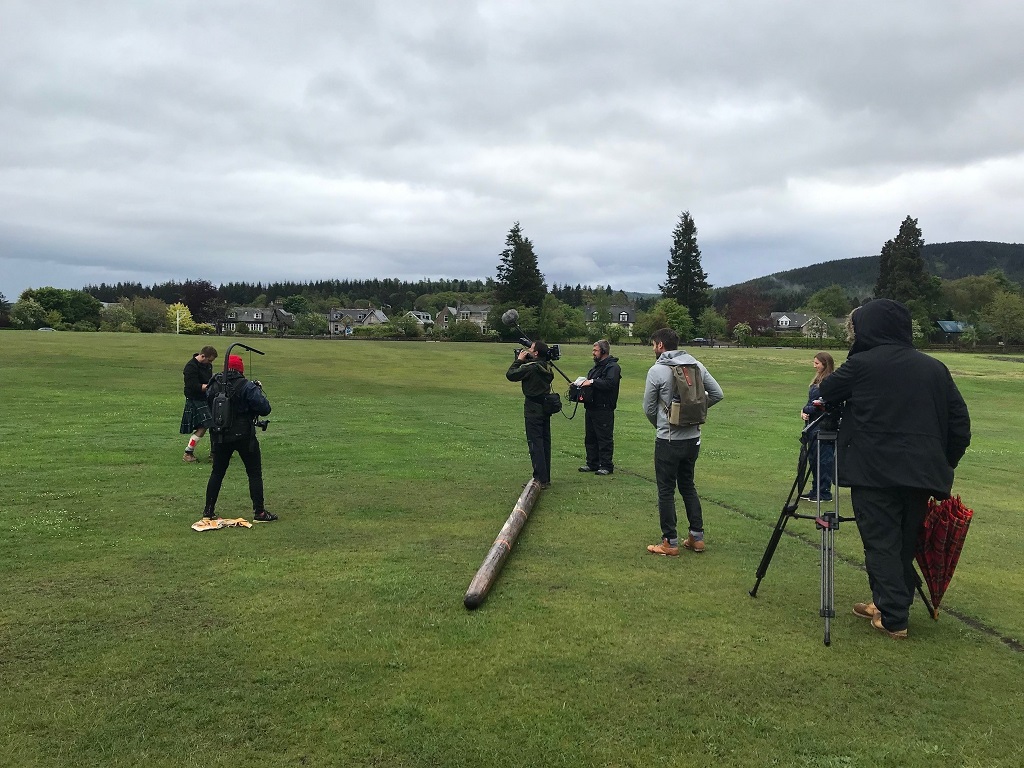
(904, 429)
(247, 401)
(600, 396)
(532, 368)
(196, 417)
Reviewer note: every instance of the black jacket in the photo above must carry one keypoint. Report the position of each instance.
(904, 424)
(604, 394)
(534, 375)
(196, 374)
(247, 402)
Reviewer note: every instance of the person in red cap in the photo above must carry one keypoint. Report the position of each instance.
(246, 403)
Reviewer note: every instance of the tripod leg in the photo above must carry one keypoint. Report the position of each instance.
(776, 536)
(828, 597)
(788, 511)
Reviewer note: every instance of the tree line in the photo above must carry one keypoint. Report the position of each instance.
(991, 305)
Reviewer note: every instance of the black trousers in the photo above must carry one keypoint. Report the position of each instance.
(889, 521)
(598, 440)
(249, 453)
(538, 440)
(674, 465)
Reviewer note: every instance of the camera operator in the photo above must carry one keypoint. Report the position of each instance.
(247, 403)
(600, 396)
(533, 370)
(904, 429)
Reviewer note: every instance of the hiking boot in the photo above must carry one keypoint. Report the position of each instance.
(865, 610)
(588, 468)
(263, 517)
(694, 545)
(604, 471)
(663, 549)
(189, 458)
(876, 622)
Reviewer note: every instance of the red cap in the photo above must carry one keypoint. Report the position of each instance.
(235, 364)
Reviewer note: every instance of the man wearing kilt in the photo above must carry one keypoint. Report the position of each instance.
(196, 417)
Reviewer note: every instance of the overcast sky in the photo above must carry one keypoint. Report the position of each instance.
(258, 141)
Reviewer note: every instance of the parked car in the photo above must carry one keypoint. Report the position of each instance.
(699, 342)
(46, 328)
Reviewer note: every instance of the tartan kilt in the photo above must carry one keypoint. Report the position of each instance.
(196, 414)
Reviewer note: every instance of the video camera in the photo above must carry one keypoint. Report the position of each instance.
(511, 319)
(551, 355)
(825, 416)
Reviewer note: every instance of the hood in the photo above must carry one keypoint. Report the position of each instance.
(676, 357)
(881, 321)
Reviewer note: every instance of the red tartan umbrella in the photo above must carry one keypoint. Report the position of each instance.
(939, 544)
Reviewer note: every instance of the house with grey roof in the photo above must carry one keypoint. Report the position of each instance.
(618, 314)
(342, 320)
(246, 319)
(422, 318)
(474, 313)
(798, 324)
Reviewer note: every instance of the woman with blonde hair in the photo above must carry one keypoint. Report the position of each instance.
(821, 484)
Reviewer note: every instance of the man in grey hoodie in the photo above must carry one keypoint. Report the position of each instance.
(675, 448)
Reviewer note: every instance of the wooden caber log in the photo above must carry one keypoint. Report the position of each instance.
(491, 567)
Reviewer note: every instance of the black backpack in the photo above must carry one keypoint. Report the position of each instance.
(230, 420)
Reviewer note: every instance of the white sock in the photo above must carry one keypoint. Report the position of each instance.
(192, 443)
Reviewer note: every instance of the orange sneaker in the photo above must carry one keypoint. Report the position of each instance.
(663, 549)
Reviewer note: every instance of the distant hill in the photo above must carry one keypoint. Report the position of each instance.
(950, 261)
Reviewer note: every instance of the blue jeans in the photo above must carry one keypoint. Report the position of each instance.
(821, 484)
(674, 464)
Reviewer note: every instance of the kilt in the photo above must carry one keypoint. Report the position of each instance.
(196, 414)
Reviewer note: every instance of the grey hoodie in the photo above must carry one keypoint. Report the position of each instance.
(659, 391)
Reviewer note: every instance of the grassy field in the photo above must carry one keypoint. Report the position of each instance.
(337, 636)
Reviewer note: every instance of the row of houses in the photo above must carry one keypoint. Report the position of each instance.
(342, 320)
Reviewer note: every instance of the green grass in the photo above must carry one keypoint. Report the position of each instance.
(337, 636)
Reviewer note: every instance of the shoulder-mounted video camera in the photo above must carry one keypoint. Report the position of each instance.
(511, 319)
(552, 353)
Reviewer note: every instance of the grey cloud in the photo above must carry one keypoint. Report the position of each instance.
(321, 139)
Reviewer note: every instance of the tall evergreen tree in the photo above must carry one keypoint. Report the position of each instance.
(901, 274)
(687, 282)
(519, 280)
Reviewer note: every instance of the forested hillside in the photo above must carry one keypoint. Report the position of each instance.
(857, 276)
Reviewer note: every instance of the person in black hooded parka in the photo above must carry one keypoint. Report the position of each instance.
(904, 429)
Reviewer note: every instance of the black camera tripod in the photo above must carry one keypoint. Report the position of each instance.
(827, 521)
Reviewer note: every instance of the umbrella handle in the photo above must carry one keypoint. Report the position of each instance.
(933, 611)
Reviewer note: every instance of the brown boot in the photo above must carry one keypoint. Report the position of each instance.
(663, 549)
(189, 458)
(865, 610)
(876, 622)
(694, 545)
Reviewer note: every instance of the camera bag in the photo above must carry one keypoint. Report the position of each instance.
(552, 403)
